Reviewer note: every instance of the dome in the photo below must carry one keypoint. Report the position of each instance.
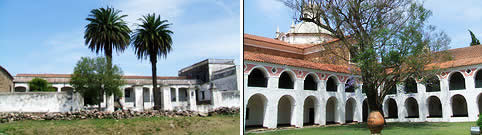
(308, 27)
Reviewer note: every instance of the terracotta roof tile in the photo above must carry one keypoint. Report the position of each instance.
(466, 56)
(259, 57)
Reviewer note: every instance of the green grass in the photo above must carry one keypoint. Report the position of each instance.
(459, 128)
(213, 125)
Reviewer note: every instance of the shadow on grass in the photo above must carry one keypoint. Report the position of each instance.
(396, 125)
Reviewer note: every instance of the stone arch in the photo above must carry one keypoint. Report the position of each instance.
(258, 77)
(434, 107)
(432, 83)
(411, 105)
(410, 85)
(286, 80)
(350, 108)
(365, 110)
(459, 106)
(456, 81)
(331, 110)
(391, 108)
(350, 85)
(478, 78)
(256, 110)
(310, 82)
(20, 89)
(286, 106)
(332, 84)
(310, 110)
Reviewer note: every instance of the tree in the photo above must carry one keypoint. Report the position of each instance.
(388, 40)
(106, 32)
(91, 78)
(39, 84)
(150, 40)
(475, 41)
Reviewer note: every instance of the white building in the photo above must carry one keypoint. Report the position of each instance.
(291, 81)
(204, 86)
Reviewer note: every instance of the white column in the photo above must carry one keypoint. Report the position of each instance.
(166, 100)
(122, 99)
(109, 103)
(271, 115)
(139, 103)
(177, 95)
(298, 114)
(59, 89)
(192, 98)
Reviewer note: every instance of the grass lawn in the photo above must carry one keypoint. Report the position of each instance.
(460, 128)
(220, 124)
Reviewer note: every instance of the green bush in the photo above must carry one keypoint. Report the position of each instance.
(479, 121)
(39, 84)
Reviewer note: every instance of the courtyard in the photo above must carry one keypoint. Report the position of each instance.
(225, 124)
(412, 128)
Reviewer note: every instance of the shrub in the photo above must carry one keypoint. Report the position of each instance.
(39, 84)
(479, 122)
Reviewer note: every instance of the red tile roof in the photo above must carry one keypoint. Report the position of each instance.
(125, 77)
(278, 42)
(259, 57)
(466, 56)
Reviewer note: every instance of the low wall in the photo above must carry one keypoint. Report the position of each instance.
(230, 98)
(41, 102)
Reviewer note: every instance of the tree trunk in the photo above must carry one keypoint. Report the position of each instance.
(157, 101)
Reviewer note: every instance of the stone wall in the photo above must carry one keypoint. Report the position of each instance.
(40, 102)
(6, 83)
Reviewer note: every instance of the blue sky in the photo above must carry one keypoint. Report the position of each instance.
(261, 17)
(47, 36)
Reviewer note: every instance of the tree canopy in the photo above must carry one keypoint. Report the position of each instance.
(39, 84)
(388, 40)
(91, 76)
(475, 41)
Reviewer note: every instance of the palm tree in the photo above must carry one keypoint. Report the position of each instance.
(150, 40)
(106, 32)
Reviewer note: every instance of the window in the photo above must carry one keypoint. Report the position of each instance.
(457, 81)
(331, 84)
(202, 95)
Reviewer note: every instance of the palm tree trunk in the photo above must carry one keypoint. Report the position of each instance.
(108, 54)
(157, 101)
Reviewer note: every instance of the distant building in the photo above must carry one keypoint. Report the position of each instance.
(193, 89)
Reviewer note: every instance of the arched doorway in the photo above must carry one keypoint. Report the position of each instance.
(20, 89)
(365, 110)
(285, 111)
(459, 106)
(310, 83)
(257, 78)
(391, 109)
(350, 108)
(412, 108)
(255, 110)
(310, 110)
(479, 103)
(286, 81)
(434, 107)
(67, 89)
(331, 111)
(478, 79)
(457, 81)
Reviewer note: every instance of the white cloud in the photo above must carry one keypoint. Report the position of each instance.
(135, 9)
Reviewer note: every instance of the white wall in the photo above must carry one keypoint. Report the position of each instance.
(40, 102)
